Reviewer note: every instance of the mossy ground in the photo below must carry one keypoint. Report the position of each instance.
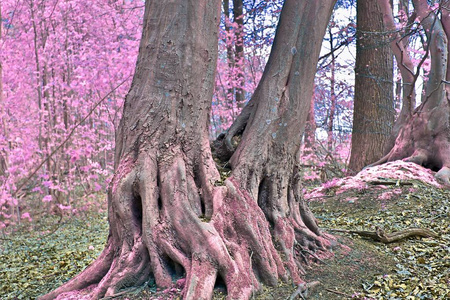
(40, 256)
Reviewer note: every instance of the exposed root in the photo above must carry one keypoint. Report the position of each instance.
(379, 235)
(425, 140)
(443, 176)
(168, 221)
(303, 290)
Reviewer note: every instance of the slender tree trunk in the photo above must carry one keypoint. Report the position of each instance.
(229, 97)
(235, 58)
(238, 14)
(332, 111)
(310, 131)
(373, 115)
(4, 153)
(406, 68)
(41, 140)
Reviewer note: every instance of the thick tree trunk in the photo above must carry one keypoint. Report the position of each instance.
(425, 137)
(373, 114)
(266, 161)
(169, 214)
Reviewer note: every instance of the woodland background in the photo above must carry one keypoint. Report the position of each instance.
(66, 66)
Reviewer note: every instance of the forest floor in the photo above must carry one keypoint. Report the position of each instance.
(40, 256)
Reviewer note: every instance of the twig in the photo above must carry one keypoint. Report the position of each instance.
(338, 293)
(380, 236)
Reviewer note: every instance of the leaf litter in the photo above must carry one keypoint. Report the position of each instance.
(420, 267)
(35, 260)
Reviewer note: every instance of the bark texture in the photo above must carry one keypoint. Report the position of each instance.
(238, 14)
(406, 68)
(424, 137)
(169, 215)
(266, 161)
(373, 114)
(310, 131)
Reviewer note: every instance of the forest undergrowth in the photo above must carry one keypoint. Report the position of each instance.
(40, 256)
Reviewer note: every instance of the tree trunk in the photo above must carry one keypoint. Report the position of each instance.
(373, 114)
(169, 214)
(332, 111)
(406, 68)
(266, 161)
(238, 14)
(310, 131)
(4, 131)
(424, 137)
(229, 97)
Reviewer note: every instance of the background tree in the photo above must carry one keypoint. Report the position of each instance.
(405, 85)
(424, 136)
(245, 38)
(373, 114)
(332, 104)
(234, 29)
(169, 213)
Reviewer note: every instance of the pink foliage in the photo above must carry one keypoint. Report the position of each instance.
(26, 216)
(59, 58)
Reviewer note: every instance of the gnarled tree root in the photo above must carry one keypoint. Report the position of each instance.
(379, 235)
(425, 140)
(303, 290)
(168, 220)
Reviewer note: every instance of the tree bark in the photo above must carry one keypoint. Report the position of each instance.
(266, 161)
(238, 15)
(424, 138)
(373, 114)
(332, 111)
(169, 214)
(406, 68)
(310, 131)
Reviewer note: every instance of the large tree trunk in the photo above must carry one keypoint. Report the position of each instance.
(169, 214)
(425, 136)
(373, 114)
(266, 162)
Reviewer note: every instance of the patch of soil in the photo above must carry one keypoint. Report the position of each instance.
(343, 276)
